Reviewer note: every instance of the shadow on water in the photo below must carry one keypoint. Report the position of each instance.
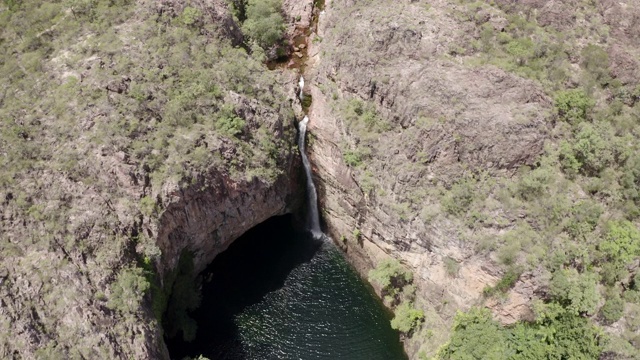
(277, 293)
(256, 264)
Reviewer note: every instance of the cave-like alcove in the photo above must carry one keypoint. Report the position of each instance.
(277, 293)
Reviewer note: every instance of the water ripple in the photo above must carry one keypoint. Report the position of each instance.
(292, 299)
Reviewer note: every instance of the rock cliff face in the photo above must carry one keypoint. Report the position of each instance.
(442, 119)
(408, 101)
(206, 217)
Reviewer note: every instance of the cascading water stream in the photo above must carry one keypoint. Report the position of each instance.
(312, 196)
(301, 86)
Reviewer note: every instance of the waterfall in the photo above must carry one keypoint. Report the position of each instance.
(301, 85)
(312, 197)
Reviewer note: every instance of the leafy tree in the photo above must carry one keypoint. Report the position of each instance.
(555, 334)
(576, 292)
(264, 22)
(391, 276)
(190, 16)
(613, 308)
(574, 105)
(584, 218)
(352, 158)
(594, 149)
(230, 125)
(407, 318)
(534, 183)
(567, 336)
(621, 242)
(522, 49)
(613, 272)
(631, 178)
(128, 290)
(475, 336)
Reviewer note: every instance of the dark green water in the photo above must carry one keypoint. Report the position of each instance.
(278, 294)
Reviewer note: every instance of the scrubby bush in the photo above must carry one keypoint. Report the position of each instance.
(534, 183)
(458, 199)
(577, 292)
(584, 218)
(555, 334)
(573, 106)
(391, 276)
(594, 149)
(595, 61)
(613, 308)
(475, 336)
(621, 242)
(612, 272)
(507, 281)
(128, 290)
(352, 158)
(451, 266)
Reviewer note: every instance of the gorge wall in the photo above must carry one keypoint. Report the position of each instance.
(479, 119)
(418, 135)
(153, 149)
(433, 138)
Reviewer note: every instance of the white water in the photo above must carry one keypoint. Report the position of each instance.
(301, 85)
(312, 197)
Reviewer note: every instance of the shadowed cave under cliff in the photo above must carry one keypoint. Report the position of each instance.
(277, 293)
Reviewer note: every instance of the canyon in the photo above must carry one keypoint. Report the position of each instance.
(421, 142)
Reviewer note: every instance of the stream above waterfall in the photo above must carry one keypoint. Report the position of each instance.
(277, 293)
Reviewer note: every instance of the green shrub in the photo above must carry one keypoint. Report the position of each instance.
(573, 106)
(555, 334)
(190, 16)
(228, 123)
(631, 178)
(451, 266)
(612, 272)
(584, 218)
(458, 199)
(148, 206)
(128, 290)
(507, 281)
(406, 318)
(621, 243)
(534, 183)
(613, 308)
(352, 158)
(576, 292)
(593, 150)
(391, 276)
(595, 61)
(508, 253)
(264, 23)
(476, 336)
(563, 334)
(522, 49)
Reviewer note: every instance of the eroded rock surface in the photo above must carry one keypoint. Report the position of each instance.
(443, 119)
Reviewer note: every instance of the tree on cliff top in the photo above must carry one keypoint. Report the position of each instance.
(264, 23)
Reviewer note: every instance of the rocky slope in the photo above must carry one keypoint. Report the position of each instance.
(146, 151)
